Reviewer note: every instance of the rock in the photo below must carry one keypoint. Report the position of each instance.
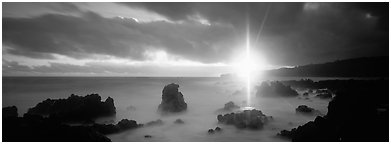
(155, 123)
(324, 95)
(275, 88)
(305, 94)
(230, 106)
(147, 136)
(179, 121)
(172, 99)
(125, 124)
(310, 91)
(304, 109)
(217, 129)
(122, 125)
(35, 128)
(211, 131)
(253, 119)
(11, 111)
(75, 108)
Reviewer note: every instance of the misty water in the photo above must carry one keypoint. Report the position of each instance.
(138, 99)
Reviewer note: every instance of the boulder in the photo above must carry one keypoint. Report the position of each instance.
(179, 121)
(303, 109)
(253, 119)
(305, 94)
(275, 88)
(11, 111)
(324, 95)
(172, 99)
(147, 136)
(211, 131)
(155, 123)
(122, 125)
(217, 129)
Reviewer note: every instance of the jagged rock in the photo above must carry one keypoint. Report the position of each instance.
(275, 88)
(11, 111)
(305, 94)
(154, 123)
(179, 121)
(303, 109)
(75, 108)
(172, 99)
(228, 107)
(324, 95)
(122, 125)
(253, 119)
(217, 129)
(211, 131)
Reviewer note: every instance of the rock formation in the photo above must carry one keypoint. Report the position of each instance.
(179, 121)
(275, 88)
(75, 108)
(253, 119)
(303, 109)
(172, 99)
(11, 111)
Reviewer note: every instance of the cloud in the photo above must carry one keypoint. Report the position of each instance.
(207, 33)
(82, 37)
(110, 68)
(295, 33)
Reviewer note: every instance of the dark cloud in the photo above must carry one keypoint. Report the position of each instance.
(81, 37)
(294, 33)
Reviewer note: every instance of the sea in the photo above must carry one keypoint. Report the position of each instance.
(137, 98)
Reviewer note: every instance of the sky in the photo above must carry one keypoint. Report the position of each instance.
(184, 39)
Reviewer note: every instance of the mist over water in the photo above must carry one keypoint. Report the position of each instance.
(138, 99)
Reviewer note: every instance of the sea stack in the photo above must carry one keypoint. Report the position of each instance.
(172, 99)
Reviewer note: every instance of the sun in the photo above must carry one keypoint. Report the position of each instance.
(248, 66)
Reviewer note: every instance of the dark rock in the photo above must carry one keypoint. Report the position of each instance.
(217, 129)
(230, 106)
(122, 125)
(172, 99)
(35, 128)
(304, 109)
(305, 94)
(147, 136)
(275, 88)
(253, 119)
(179, 121)
(324, 95)
(352, 114)
(11, 111)
(155, 123)
(211, 131)
(75, 108)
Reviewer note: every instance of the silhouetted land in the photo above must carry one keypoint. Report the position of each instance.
(358, 112)
(358, 67)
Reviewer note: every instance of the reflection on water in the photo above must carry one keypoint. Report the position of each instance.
(138, 99)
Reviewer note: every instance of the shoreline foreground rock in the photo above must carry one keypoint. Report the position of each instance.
(75, 108)
(172, 99)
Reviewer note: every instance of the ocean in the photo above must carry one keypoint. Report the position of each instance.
(137, 98)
